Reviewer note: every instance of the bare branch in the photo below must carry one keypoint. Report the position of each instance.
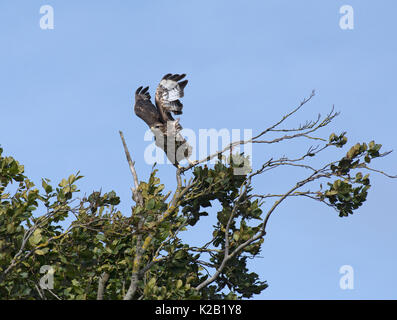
(50, 291)
(137, 196)
(286, 116)
(227, 256)
(271, 128)
(379, 171)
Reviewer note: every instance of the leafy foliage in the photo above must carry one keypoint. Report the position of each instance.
(102, 240)
(104, 254)
(343, 194)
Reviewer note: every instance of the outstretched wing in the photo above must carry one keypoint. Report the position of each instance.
(168, 93)
(145, 109)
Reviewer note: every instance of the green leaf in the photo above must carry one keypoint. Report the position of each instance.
(179, 283)
(236, 235)
(75, 282)
(151, 283)
(36, 237)
(100, 237)
(151, 204)
(63, 183)
(41, 252)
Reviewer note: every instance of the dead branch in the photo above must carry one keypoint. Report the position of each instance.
(136, 195)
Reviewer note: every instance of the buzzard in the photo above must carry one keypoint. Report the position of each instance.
(159, 117)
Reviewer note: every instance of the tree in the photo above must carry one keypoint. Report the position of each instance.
(104, 254)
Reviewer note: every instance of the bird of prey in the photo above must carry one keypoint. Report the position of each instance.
(159, 117)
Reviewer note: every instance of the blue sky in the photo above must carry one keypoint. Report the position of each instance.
(65, 93)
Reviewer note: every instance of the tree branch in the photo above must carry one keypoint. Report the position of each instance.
(271, 128)
(136, 194)
(101, 285)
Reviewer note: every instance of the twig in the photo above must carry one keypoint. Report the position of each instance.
(252, 140)
(379, 171)
(227, 256)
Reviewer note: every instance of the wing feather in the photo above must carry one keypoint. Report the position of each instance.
(168, 93)
(157, 117)
(145, 109)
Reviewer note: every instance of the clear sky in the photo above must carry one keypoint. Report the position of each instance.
(65, 93)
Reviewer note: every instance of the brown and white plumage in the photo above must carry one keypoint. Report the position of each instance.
(159, 118)
(145, 109)
(168, 93)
